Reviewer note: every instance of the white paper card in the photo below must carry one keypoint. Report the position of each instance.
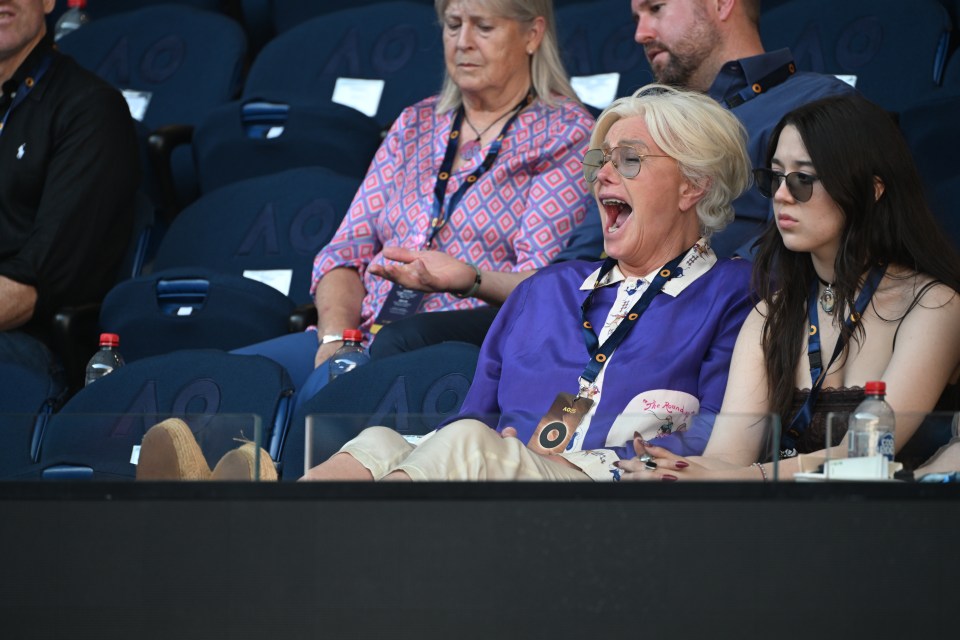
(135, 454)
(362, 95)
(279, 279)
(850, 80)
(185, 311)
(137, 102)
(597, 90)
(274, 132)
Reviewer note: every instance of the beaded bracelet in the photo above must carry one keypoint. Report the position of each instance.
(472, 291)
(763, 472)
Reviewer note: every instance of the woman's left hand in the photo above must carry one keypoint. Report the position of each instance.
(428, 271)
(657, 463)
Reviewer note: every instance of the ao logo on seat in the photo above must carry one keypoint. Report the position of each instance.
(858, 44)
(392, 51)
(158, 63)
(310, 229)
(201, 396)
(442, 398)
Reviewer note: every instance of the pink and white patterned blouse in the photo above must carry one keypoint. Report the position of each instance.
(516, 217)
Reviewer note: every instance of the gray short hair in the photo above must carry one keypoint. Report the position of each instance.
(547, 74)
(706, 140)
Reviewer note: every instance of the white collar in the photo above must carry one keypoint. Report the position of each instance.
(696, 262)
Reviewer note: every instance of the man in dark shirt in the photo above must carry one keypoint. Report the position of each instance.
(715, 47)
(69, 170)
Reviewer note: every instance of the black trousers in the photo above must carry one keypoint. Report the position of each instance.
(424, 329)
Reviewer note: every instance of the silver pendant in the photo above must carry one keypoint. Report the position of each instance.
(828, 301)
(470, 149)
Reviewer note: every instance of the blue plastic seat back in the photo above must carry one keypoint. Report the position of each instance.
(597, 38)
(410, 392)
(27, 398)
(93, 436)
(933, 135)
(242, 140)
(945, 202)
(192, 308)
(274, 222)
(897, 50)
(397, 42)
(190, 60)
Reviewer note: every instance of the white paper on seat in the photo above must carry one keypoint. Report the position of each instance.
(850, 80)
(137, 102)
(597, 90)
(279, 279)
(362, 95)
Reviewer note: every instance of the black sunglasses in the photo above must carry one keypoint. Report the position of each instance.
(799, 184)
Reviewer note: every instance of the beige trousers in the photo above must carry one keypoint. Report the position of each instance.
(463, 450)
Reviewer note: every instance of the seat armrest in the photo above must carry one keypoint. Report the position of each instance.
(302, 317)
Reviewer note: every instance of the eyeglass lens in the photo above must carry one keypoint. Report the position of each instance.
(799, 184)
(625, 159)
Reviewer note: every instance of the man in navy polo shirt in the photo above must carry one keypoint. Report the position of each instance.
(714, 46)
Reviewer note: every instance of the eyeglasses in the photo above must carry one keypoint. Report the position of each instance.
(626, 160)
(799, 184)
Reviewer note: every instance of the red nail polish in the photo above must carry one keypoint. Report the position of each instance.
(617, 464)
(680, 464)
(636, 434)
(669, 478)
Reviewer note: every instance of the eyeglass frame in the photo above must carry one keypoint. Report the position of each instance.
(608, 157)
(792, 185)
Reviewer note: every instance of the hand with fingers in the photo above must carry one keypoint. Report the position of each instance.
(428, 271)
(656, 463)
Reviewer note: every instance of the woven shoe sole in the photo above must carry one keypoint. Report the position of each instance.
(240, 465)
(170, 452)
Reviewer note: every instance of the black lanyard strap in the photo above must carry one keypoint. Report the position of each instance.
(600, 353)
(767, 82)
(441, 213)
(818, 372)
(26, 87)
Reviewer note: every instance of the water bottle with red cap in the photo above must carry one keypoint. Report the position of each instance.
(106, 359)
(72, 19)
(350, 356)
(871, 426)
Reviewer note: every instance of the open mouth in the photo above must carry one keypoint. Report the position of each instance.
(616, 212)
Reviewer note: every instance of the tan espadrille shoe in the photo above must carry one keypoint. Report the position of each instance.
(170, 452)
(240, 464)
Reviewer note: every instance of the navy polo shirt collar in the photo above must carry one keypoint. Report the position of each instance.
(738, 74)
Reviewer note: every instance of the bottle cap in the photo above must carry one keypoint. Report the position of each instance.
(109, 340)
(80, 4)
(354, 335)
(875, 387)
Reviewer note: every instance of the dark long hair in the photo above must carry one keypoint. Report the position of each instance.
(850, 141)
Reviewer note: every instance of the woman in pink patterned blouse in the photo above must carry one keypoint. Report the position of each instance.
(501, 143)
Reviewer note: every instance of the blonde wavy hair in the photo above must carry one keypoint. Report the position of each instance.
(707, 141)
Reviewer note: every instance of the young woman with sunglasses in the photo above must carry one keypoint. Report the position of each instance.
(855, 261)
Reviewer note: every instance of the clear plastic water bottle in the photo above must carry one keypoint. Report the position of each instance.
(71, 19)
(106, 359)
(871, 426)
(350, 356)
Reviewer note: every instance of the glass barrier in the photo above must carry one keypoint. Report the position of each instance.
(677, 431)
(933, 448)
(111, 447)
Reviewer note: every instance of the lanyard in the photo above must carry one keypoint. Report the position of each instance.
(441, 213)
(817, 371)
(765, 83)
(600, 353)
(25, 87)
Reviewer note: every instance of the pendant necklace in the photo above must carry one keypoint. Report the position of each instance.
(471, 149)
(828, 301)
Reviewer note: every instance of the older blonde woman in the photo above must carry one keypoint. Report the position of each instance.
(471, 191)
(584, 355)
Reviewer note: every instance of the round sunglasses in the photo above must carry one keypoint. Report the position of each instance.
(626, 160)
(799, 184)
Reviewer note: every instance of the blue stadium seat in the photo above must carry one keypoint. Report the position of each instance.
(252, 138)
(931, 131)
(27, 398)
(277, 221)
(219, 395)
(396, 42)
(186, 60)
(897, 50)
(945, 202)
(410, 392)
(596, 38)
